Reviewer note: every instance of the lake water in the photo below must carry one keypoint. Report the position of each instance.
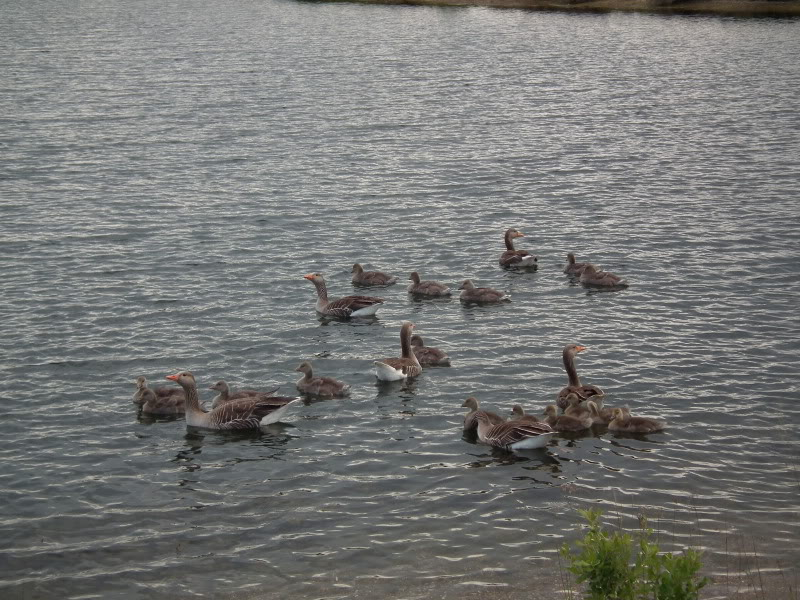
(169, 173)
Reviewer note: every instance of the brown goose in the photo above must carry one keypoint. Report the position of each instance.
(518, 414)
(516, 258)
(247, 413)
(343, 308)
(624, 422)
(593, 276)
(362, 277)
(513, 435)
(433, 289)
(427, 356)
(321, 387)
(225, 394)
(405, 367)
(470, 420)
(574, 268)
(581, 409)
(482, 294)
(605, 415)
(158, 401)
(575, 386)
(566, 422)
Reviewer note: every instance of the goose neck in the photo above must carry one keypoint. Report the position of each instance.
(569, 367)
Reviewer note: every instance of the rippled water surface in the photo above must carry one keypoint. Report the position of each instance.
(171, 170)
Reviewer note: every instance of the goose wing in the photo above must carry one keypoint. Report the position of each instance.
(246, 413)
(511, 257)
(511, 432)
(404, 365)
(344, 307)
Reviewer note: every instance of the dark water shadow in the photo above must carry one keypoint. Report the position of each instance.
(151, 419)
(325, 320)
(405, 389)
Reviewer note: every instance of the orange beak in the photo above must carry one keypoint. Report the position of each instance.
(519, 234)
(580, 348)
(172, 377)
(310, 276)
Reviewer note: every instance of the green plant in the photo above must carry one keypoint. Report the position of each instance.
(607, 565)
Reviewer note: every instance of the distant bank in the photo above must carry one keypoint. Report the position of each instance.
(752, 8)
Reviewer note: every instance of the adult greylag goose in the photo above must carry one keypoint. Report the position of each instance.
(516, 258)
(362, 277)
(225, 394)
(321, 387)
(566, 422)
(574, 268)
(158, 401)
(625, 423)
(405, 367)
(583, 392)
(593, 276)
(428, 356)
(518, 414)
(470, 419)
(343, 308)
(513, 435)
(481, 294)
(433, 289)
(246, 413)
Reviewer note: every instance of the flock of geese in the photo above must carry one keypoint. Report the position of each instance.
(581, 405)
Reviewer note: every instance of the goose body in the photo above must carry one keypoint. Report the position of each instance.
(470, 419)
(481, 294)
(159, 401)
(320, 387)
(624, 422)
(574, 386)
(427, 356)
(343, 308)
(405, 367)
(513, 435)
(574, 268)
(592, 276)
(225, 394)
(566, 422)
(362, 277)
(246, 413)
(518, 414)
(516, 258)
(432, 289)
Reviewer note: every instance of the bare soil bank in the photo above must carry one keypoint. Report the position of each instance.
(744, 8)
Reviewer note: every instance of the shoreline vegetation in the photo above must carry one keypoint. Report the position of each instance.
(739, 8)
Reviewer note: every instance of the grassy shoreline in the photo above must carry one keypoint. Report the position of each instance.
(743, 8)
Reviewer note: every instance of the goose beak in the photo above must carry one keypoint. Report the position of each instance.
(580, 348)
(309, 276)
(172, 377)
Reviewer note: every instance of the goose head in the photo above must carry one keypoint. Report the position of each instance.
(414, 277)
(184, 378)
(357, 268)
(471, 403)
(220, 386)
(304, 367)
(467, 285)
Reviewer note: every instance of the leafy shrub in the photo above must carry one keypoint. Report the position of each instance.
(606, 563)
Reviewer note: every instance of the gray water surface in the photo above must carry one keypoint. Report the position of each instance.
(169, 173)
